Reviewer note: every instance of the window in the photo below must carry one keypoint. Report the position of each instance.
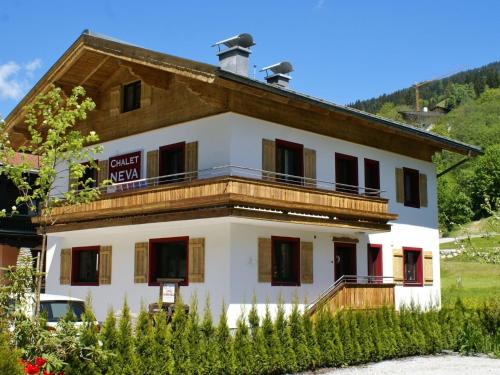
(171, 162)
(346, 173)
(411, 187)
(372, 177)
(168, 258)
(85, 269)
(412, 263)
(285, 261)
(289, 161)
(131, 96)
(57, 310)
(89, 172)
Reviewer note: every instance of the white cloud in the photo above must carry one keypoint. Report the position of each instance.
(32, 66)
(10, 88)
(14, 78)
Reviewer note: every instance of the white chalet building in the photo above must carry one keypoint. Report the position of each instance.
(240, 187)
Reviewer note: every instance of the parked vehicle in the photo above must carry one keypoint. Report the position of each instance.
(55, 307)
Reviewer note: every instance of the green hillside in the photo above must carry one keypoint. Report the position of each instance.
(480, 79)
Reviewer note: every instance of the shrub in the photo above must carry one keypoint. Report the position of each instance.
(9, 363)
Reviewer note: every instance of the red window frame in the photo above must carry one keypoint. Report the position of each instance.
(372, 169)
(415, 199)
(172, 147)
(380, 263)
(298, 148)
(353, 175)
(295, 260)
(420, 273)
(75, 264)
(152, 257)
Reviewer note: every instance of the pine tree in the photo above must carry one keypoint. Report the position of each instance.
(260, 358)
(109, 339)
(144, 343)
(272, 343)
(346, 338)
(208, 349)
(393, 331)
(384, 334)
(126, 355)
(243, 351)
(288, 360)
(180, 339)
(162, 357)
(311, 342)
(377, 337)
(355, 335)
(365, 336)
(193, 334)
(224, 345)
(299, 340)
(324, 334)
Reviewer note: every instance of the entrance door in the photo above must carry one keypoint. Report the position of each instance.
(345, 259)
(375, 262)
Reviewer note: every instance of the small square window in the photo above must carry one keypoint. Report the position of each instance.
(411, 187)
(131, 96)
(412, 263)
(285, 261)
(168, 259)
(85, 266)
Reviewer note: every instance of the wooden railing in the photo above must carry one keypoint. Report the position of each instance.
(184, 192)
(355, 292)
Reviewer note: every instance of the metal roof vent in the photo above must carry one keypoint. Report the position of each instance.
(235, 57)
(277, 74)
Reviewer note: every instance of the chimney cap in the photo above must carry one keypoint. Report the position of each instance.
(283, 67)
(244, 40)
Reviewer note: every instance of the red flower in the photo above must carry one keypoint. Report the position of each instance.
(40, 361)
(31, 369)
(47, 373)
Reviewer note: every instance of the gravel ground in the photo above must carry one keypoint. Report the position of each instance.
(450, 364)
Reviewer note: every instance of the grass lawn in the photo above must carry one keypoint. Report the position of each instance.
(477, 242)
(479, 281)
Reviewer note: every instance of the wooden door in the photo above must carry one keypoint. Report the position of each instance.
(344, 259)
(375, 262)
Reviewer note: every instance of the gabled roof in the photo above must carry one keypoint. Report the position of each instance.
(106, 47)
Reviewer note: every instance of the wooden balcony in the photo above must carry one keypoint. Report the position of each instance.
(356, 292)
(227, 195)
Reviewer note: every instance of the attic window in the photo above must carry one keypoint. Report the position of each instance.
(131, 96)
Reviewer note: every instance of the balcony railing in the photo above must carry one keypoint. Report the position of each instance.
(240, 171)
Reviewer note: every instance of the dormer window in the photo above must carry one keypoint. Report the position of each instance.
(131, 96)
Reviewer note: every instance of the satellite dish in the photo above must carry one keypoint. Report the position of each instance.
(244, 40)
(283, 67)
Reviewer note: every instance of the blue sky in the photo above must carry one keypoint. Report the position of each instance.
(341, 50)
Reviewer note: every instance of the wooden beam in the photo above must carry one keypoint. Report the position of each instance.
(93, 71)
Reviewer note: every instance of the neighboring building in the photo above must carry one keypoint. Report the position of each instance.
(16, 231)
(239, 187)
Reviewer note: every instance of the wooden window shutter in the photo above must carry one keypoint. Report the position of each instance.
(114, 101)
(65, 270)
(306, 263)
(310, 166)
(268, 158)
(146, 94)
(105, 262)
(103, 172)
(428, 279)
(423, 190)
(400, 185)
(397, 265)
(191, 159)
(264, 260)
(152, 168)
(196, 260)
(141, 262)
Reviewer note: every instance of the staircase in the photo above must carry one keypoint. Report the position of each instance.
(355, 292)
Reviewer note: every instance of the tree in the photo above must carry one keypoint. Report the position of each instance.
(62, 150)
(457, 94)
(389, 110)
(126, 354)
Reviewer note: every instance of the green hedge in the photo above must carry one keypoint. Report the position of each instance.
(195, 345)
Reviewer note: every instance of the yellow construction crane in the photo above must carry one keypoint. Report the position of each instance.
(417, 86)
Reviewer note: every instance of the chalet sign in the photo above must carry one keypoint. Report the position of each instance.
(125, 168)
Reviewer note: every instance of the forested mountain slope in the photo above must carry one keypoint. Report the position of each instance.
(487, 76)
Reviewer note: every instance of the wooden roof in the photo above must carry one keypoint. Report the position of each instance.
(93, 59)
